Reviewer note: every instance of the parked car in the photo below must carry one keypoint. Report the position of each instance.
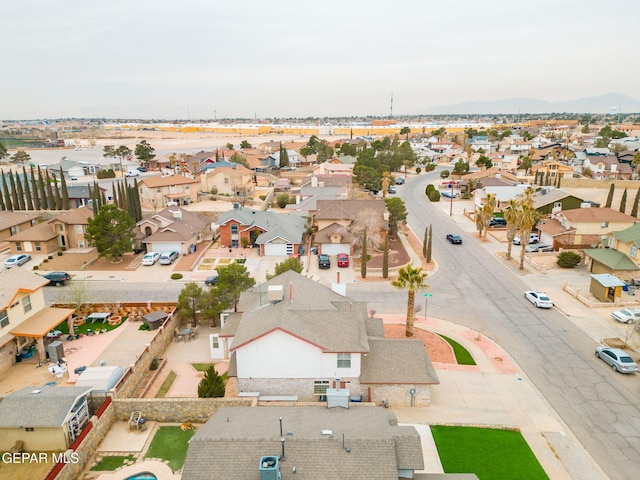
(618, 359)
(132, 173)
(455, 239)
(497, 222)
(400, 181)
(448, 194)
(392, 189)
(167, 258)
(57, 278)
(627, 315)
(301, 249)
(17, 260)
(538, 247)
(142, 169)
(343, 260)
(314, 249)
(324, 261)
(539, 299)
(211, 280)
(533, 238)
(150, 258)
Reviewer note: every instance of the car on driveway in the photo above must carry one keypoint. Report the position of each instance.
(324, 261)
(57, 278)
(455, 239)
(627, 315)
(497, 222)
(132, 173)
(167, 258)
(533, 238)
(448, 194)
(618, 359)
(343, 260)
(17, 260)
(392, 189)
(150, 258)
(538, 248)
(539, 299)
(211, 280)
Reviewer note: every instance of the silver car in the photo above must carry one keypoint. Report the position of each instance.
(167, 258)
(627, 315)
(17, 260)
(619, 360)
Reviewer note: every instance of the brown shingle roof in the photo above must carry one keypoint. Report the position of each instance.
(15, 279)
(604, 214)
(352, 210)
(11, 219)
(165, 181)
(77, 216)
(38, 233)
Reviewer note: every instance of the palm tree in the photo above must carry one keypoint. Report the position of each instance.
(410, 279)
(487, 211)
(472, 183)
(512, 216)
(386, 181)
(529, 218)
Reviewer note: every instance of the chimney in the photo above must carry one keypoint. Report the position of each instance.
(314, 181)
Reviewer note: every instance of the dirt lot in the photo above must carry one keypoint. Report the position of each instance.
(78, 261)
(437, 348)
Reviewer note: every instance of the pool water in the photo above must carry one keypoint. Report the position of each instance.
(143, 476)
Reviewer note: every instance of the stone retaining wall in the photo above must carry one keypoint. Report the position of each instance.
(175, 410)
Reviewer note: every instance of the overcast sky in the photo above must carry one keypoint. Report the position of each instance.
(196, 59)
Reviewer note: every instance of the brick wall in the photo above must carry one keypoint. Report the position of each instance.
(399, 395)
(302, 387)
(175, 410)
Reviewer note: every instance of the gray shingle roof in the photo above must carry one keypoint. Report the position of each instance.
(389, 359)
(48, 408)
(287, 227)
(235, 438)
(309, 311)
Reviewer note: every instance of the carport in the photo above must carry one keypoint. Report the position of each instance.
(38, 326)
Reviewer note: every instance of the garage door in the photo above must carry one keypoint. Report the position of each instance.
(165, 247)
(281, 249)
(335, 248)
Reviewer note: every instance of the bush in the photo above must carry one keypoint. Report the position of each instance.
(214, 191)
(434, 196)
(568, 259)
(430, 188)
(154, 364)
(45, 260)
(445, 174)
(418, 170)
(282, 200)
(50, 257)
(36, 267)
(262, 197)
(176, 276)
(59, 254)
(64, 249)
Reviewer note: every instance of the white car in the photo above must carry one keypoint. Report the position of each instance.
(533, 238)
(539, 299)
(150, 258)
(627, 315)
(132, 173)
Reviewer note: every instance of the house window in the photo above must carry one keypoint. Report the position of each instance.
(344, 360)
(60, 228)
(234, 229)
(26, 304)
(80, 243)
(633, 250)
(157, 190)
(226, 180)
(604, 225)
(79, 229)
(4, 318)
(38, 246)
(612, 242)
(29, 429)
(15, 229)
(215, 343)
(18, 247)
(186, 187)
(320, 387)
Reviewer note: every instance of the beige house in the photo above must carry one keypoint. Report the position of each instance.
(237, 181)
(593, 224)
(163, 191)
(12, 223)
(328, 168)
(551, 169)
(173, 230)
(621, 257)
(64, 230)
(24, 318)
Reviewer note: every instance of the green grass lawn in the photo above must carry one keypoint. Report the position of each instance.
(463, 357)
(489, 453)
(166, 385)
(201, 367)
(111, 463)
(170, 443)
(82, 329)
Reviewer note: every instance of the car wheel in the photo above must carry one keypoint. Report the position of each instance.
(629, 322)
(598, 354)
(615, 368)
(59, 284)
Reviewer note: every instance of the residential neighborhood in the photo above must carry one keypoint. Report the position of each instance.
(282, 307)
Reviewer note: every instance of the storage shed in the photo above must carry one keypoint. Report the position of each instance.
(100, 379)
(606, 287)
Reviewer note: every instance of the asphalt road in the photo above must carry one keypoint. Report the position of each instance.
(473, 288)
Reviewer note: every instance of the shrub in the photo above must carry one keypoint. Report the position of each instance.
(45, 260)
(64, 249)
(154, 364)
(568, 259)
(430, 188)
(282, 200)
(212, 385)
(36, 267)
(176, 276)
(445, 174)
(418, 170)
(433, 194)
(214, 191)
(262, 197)
(59, 254)
(50, 257)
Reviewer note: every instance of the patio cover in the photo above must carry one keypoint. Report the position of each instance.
(42, 322)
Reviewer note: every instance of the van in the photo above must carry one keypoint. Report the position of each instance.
(132, 173)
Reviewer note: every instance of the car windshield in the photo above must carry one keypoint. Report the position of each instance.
(544, 297)
(626, 360)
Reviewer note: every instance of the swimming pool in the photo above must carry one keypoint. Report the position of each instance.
(143, 476)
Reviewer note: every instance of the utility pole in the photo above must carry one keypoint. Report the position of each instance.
(391, 108)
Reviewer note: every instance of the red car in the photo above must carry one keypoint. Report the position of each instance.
(343, 260)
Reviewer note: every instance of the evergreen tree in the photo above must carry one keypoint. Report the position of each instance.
(7, 196)
(21, 202)
(56, 193)
(14, 194)
(284, 156)
(103, 197)
(44, 205)
(51, 203)
(65, 192)
(385, 257)
(2, 205)
(111, 232)
(136, 197)
(428, 257)
(610, 196)
(363, 263)
(425, 239)
(122, 200)
(34, 185)
(114, 193)
(211, 385)
(634, 210)
(94, 200)
(623, 201)
(27, 190)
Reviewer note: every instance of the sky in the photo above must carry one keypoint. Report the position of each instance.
(211, 59)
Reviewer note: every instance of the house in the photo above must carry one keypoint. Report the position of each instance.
(549, 200)
(66, 230)
(325, 181)
(12, 223)
(493, 172)
(24, 318)
(333, 169)
(336, 221)
(274, 233)
(480, 142)
(334, 343)
(548, 172)
(173, 229)
(519, 148)
(592, 224)
(504, 162)
(608, 167)
(79, 195)
(320, 443)
(164, 191)
(553, 233)
(43, 418)
(70, 168)
(503, 195)
(620, 256)
(235, 180)
(273, 159)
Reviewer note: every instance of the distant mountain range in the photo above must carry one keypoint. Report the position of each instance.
(600, 104)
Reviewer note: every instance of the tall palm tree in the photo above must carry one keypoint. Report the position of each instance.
(386, 181)
(487, 211)
(512, 216)
(529, 218)
(410, 279)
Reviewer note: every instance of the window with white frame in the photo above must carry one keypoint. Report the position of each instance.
(15, 229)
(79, 229)
(344, 360)
(18, 247)
(38, 246)
(612, 242)
(4, 318)
(320, 387)
(80, 243)
(26, 304)
(633, 251)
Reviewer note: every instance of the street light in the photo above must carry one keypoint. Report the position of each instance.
(426, 298)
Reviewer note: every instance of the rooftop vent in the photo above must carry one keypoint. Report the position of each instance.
(275, 293)
(269, 468)
(177, 214)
